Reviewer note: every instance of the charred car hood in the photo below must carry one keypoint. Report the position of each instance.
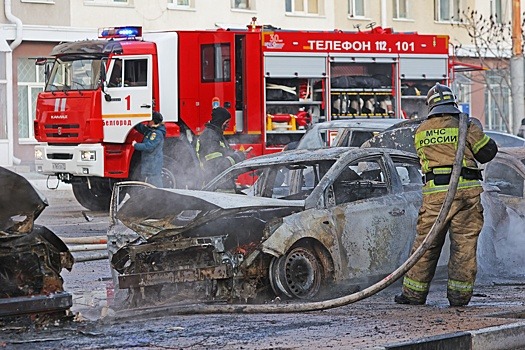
(20, 203)
(174, 209)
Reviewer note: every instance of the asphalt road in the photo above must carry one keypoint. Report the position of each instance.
(493, 320)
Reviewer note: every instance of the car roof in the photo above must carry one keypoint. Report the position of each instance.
(504, 139)
(517, 153)
(298, 155)
(305, 155)
(364, 123)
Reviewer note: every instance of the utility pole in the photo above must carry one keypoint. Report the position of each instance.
(517, 77)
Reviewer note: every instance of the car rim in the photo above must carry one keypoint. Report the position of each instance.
(297, 274)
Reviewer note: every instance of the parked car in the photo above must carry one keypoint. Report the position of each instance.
(315, 223)
(343, 132)
(503, 139)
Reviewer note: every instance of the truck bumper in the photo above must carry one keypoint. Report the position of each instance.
(78, 160)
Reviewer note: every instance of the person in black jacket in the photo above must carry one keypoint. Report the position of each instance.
(151, 147)
(214, 153)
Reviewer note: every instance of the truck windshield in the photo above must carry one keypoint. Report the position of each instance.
(74, 74)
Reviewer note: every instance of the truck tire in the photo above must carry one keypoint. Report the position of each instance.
(96, 198)
(170, 173)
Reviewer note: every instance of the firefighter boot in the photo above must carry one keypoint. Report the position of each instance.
(403, 299)
(457, 299)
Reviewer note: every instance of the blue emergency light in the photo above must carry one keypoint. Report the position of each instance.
(120, 32)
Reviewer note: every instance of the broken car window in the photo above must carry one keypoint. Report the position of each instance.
(359, 180)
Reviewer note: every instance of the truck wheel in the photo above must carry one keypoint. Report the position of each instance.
(96, 198)
(169, 173)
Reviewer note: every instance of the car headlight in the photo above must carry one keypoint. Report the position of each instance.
(39, 155)
(88, 155)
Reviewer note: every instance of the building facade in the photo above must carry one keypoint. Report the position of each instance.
(25, 36)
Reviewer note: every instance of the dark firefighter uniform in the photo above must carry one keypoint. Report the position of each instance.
(436, 142)
(213, 150)
(152, 157)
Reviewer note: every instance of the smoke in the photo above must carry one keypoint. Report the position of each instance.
(500, 245)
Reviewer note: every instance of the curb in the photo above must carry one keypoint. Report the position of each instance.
(504, 337)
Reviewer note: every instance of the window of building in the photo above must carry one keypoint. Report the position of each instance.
(215, 63)
(109, 2)
(462, 87)
(30, 83)
(51, 2)
(356, 8)
(311, 7)
(243, 4)
(496, 10)
(497, 102)
(181, 4)
(447, 10)
(401, 9)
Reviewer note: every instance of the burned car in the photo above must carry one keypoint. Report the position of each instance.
(31, 256)
(313, 223)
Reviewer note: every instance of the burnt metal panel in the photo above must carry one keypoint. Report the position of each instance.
(35, 304)
(162, 277)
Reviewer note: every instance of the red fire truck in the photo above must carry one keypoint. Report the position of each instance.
(274, 82)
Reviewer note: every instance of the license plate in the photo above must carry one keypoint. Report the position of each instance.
(59, 166)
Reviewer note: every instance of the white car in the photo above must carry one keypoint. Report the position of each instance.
(342, 132)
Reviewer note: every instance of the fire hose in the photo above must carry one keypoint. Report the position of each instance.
(347, 299)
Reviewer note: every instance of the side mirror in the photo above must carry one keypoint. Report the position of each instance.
(103, 75)
(44, 61)
(40, 61)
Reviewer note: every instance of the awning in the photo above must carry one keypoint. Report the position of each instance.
(460, 67)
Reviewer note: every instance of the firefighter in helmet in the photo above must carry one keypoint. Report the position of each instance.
(436, 142)
(214, 153)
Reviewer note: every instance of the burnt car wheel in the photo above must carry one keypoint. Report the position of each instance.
(298, 274)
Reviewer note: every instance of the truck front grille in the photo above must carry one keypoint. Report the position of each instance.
(61, 130)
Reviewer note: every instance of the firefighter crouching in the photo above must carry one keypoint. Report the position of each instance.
(214, 153)
(436, 142)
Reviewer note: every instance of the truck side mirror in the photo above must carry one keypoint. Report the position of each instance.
(40, 61)
(103, 73)
(43, 61)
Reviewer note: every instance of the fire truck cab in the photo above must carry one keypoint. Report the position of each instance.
(274, 83)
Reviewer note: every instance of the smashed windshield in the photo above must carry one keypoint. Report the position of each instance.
(74, 74)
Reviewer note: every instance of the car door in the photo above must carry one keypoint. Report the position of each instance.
(377, 216)
(128, 98)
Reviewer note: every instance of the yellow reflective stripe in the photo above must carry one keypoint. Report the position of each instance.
(441, 171)
(436, 137)
(415, 285)
(430, 187)
(232, 161)
(460, 286)
(213, 155)
(478, 145)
